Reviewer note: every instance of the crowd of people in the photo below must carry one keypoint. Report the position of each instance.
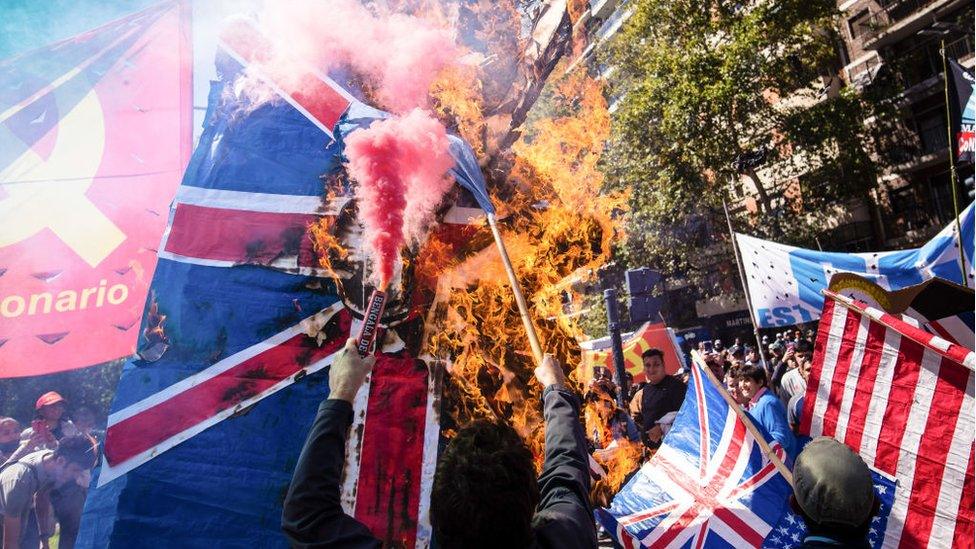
(45, 470)
(486, 493)
(771, 391)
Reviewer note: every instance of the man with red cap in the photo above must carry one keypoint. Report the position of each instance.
(48, 428)
(49, 424)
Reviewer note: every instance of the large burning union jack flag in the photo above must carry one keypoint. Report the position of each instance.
(710, 484)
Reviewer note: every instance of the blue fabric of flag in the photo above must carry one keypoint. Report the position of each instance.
(786, 282)
(653, 488)
(224, 486)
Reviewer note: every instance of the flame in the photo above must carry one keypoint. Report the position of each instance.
(622, 461)
(456, 96)
(557, 221)
(325, 242)
(557, 225)
(154, 332)
(576, 9)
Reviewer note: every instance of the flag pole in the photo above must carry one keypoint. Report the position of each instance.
(953, 179)
(519, 298)
(745, 286)
(760, 439)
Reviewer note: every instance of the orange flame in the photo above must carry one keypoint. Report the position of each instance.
(558, 224)
(457, 97)
(154, 332)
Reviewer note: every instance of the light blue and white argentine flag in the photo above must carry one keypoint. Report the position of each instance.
(785, 282)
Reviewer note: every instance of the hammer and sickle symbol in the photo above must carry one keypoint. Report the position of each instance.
(50, 194)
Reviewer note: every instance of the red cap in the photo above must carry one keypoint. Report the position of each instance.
(47, 399)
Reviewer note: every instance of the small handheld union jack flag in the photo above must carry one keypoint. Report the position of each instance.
(709, 485)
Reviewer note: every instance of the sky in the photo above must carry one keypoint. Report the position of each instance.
(26, 25)
(29, 24)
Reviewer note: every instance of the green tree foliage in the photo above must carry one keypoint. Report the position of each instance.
(93, 387)
(701, 82)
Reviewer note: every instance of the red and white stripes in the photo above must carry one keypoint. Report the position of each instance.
(903, 399)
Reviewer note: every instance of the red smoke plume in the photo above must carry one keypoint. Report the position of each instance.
(399, 54)
(399, 166)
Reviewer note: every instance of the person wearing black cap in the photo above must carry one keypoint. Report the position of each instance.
(834, 495)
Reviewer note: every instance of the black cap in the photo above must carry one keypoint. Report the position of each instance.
(832, 484)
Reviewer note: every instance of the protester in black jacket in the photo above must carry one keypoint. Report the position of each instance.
(661, 395)
(484, 478)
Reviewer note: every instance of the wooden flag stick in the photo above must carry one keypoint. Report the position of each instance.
(519, 298)
(778, 463)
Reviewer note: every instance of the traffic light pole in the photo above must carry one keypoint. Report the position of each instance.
(613, 324)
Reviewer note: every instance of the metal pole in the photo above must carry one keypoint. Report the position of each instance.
(952, 169)
(613, 324)
(745, 286)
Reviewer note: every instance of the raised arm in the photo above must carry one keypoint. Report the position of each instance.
(313, 515)
(565, 481)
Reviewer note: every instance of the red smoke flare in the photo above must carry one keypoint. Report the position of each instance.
(399, 165)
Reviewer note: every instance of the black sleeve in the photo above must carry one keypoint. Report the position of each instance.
(678, 396)
(778, 372)
(313, 515)
(564, 517)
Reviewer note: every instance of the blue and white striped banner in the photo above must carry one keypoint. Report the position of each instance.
(785, 282)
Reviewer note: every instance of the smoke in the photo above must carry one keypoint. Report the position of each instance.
(400, 55)
(399, 166)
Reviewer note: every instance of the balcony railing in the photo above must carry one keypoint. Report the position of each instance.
(923, 63)
(933, 136)
(961, 48)
(891, 12)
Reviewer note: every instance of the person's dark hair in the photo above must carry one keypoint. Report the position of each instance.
(652, 352)
(754, 372)
(485, 489)
(78, 449)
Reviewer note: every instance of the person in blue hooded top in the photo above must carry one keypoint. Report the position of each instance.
(765, 407)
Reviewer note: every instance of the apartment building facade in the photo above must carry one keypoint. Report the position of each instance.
(895, 43)
(898, 43)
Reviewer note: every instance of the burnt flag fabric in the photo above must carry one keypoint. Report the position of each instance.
(709, 485)
(902, 398)
(95, 133)
(242, 323)
(962, 109)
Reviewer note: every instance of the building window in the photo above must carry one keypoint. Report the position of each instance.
(931, 127)
(859, 24)
(906, 215)
(940, 191)
(852, 237)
